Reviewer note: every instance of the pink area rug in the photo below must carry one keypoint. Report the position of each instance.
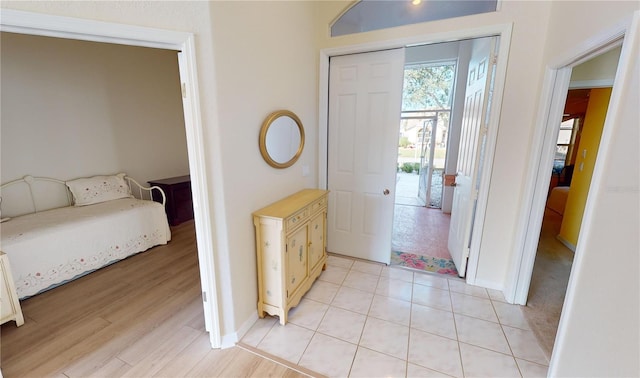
(421, 262)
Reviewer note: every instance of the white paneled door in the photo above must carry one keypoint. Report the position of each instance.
(474, 129)
(365, 96)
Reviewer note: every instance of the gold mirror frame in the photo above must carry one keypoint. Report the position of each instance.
(271, 118)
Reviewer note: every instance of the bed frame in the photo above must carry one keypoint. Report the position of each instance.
(49, 241)
(45, 193)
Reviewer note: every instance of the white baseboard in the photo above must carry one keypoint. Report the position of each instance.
(489, 285)
(231, 339)
(566, 243)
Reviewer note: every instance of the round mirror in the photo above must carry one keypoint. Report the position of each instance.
(281, 139)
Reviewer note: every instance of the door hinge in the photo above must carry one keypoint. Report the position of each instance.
(184, 90)
(204, 296)
(494, 60)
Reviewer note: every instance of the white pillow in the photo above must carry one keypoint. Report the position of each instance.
(96, 189)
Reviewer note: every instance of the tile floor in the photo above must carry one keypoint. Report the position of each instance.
(362, 319)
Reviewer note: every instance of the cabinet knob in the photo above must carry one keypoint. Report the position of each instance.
(386, 192)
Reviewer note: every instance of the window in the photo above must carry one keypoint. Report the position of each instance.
(564, 145)
(367, 15)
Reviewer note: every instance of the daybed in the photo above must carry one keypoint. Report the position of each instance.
(100, 222)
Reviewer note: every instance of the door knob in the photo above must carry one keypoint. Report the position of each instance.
(385, 192)
(453, 184)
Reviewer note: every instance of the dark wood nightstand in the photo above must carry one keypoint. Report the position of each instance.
(179, 204)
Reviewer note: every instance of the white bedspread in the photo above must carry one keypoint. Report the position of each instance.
(48, 248)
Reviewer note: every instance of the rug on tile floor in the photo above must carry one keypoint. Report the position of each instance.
(422, 262)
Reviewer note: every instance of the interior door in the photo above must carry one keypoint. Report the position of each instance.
(365, 97)
(473, 131)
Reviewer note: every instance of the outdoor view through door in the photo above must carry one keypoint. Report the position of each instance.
(424, 127)
(399, 119)
(446, 97)
(420, 227)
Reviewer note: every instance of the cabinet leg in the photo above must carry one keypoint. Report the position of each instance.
(261, 313)
(19, 319)
(324, 266)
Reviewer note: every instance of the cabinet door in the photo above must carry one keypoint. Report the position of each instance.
(316, 240)
(296, 260)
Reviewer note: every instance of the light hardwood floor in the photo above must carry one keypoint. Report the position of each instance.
(139, 317)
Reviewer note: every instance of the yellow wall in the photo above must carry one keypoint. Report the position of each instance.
(585, 161)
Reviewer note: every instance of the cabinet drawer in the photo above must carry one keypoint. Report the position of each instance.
(297, 218)
(319, 204)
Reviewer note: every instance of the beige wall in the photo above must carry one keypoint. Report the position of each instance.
(270, 63)
(74, 109)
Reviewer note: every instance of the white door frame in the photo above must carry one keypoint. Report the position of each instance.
(501, 30)
(553, 97)
(89, 30)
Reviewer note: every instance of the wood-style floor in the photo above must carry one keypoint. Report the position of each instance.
(139, 317)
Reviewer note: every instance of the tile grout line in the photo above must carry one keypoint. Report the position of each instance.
(455, 325)
(406, 362)
(366, 320)
(505, 337)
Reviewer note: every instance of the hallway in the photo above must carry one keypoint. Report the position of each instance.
(548, 282)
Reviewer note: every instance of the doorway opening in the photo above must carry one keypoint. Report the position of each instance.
(440, 137)
(420, 226)
(84, 29)
(575, 153)
(379, 198)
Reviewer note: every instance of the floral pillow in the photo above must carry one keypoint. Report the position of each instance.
(96, 189)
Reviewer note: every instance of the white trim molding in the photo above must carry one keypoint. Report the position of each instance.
(591, 84)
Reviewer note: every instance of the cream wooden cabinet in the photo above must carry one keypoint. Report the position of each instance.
(9, 305)
(290, 247)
